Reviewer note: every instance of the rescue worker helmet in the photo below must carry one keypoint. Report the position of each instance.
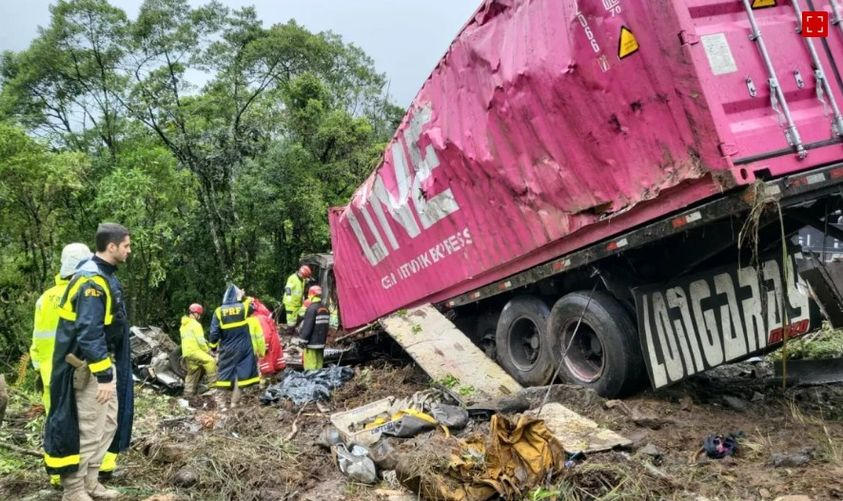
(305, 272)
(196, 308)
(314, 290)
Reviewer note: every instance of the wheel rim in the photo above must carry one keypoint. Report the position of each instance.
(585, 358)
(524, 343)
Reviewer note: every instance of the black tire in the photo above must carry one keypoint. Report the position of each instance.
(520, 341)
(605, 354)
(486, 333)
(177, 364)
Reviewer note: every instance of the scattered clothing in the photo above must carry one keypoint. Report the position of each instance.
(515, 459)
(718, 446)
(304, 387)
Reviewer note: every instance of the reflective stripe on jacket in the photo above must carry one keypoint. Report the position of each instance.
(192, 337)
(44, 334)
(294, 297)
(314, 327)
(232, 331)
(93, 324)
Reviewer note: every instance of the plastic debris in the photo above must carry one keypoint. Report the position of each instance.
(356, 464)
(719, 446)
(304, 387)
(451, 416)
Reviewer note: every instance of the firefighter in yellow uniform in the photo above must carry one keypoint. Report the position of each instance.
(196, 352)
(44, 333)
(294, 295)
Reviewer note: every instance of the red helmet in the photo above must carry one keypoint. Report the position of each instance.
(304, 271)
(196, 308)
(314, 290)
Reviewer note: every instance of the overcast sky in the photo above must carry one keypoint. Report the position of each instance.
(404, 37)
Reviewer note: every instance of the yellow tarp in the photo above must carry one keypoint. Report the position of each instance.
(514, 459)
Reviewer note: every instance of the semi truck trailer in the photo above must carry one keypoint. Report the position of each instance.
(612, 190)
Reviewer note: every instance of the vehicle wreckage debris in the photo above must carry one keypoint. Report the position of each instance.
(304, 387)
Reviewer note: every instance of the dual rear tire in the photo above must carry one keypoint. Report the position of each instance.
(588, 337)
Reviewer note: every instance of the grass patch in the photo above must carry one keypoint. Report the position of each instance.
(825, 343)
(448, 381)
(466, 391)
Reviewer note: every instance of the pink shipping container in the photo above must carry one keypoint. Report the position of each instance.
(552, 124)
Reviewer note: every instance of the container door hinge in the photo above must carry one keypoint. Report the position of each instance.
(688, 38)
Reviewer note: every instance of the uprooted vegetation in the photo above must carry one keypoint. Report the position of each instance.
(824, 343)
(270, 452)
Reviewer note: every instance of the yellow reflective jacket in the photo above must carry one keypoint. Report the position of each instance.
(192, 338)
(44, 333)
(256, 335)
(294, 297)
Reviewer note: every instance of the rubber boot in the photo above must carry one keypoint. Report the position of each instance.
(95, 489)
(74, 489)
(221, 399)
(236, 394)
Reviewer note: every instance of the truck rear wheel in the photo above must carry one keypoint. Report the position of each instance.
(520, 341)
(605, 354)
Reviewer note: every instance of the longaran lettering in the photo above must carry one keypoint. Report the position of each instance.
(698, 324)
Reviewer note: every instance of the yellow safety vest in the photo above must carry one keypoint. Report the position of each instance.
(44, 334)
(293, 297)
(256, 334)
(192, 338)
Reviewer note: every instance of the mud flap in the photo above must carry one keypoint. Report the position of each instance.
(825, 281)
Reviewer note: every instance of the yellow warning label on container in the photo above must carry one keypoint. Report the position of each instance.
(763, 4)
(628, 44)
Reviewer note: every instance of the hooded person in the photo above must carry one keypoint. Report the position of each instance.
(47, 316)
(47, 321)
(273, 361)
(90, 413)
(239, 348)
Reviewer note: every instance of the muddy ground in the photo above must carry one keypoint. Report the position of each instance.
(253, 453)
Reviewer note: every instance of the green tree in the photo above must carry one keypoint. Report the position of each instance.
(67, 84)
(38, 192)
(218, 141)
(145, 193)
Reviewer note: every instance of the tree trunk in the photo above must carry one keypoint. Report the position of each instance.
(4, 397)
